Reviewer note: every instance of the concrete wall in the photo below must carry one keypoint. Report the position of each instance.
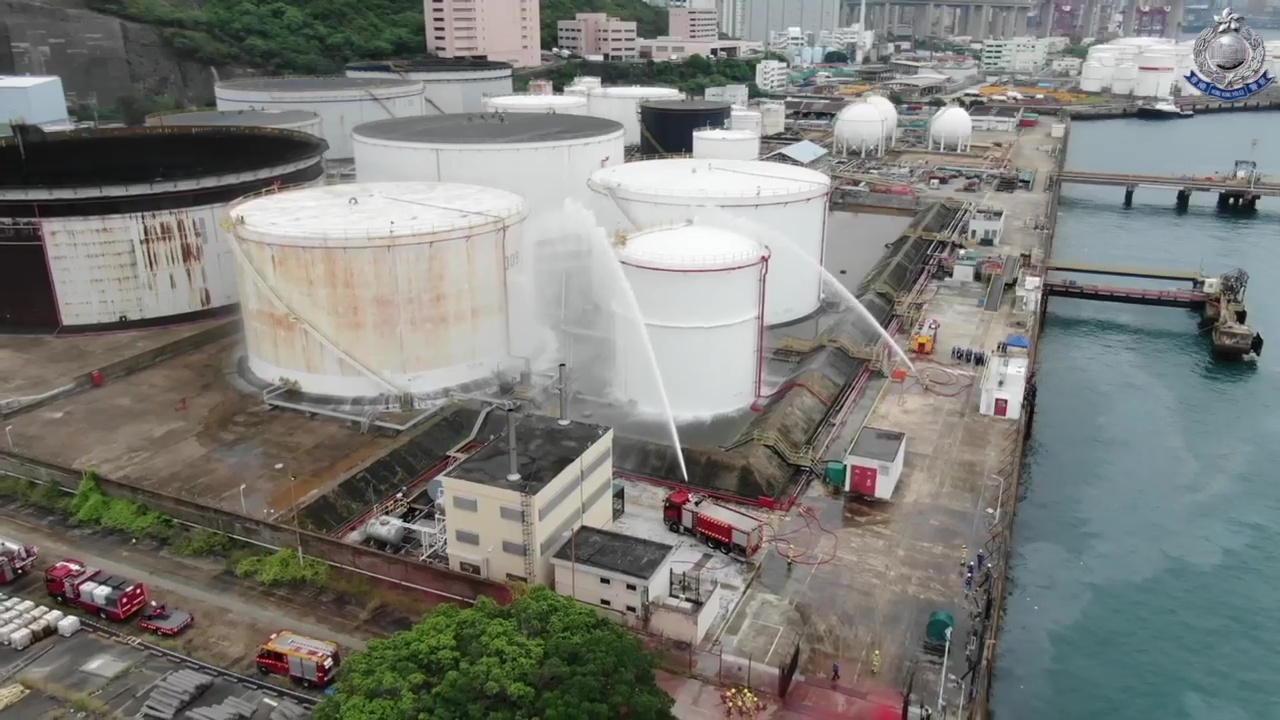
(398, 569)
(96, 55)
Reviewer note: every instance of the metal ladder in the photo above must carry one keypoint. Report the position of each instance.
(526, 522)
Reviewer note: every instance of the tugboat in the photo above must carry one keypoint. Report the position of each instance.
(1163, 109)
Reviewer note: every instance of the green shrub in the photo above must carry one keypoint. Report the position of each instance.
(283, 568)
(91, 506)
(202, 542)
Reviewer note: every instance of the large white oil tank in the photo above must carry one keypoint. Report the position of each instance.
(743, 119)
(700, 291)
(622, 105)
(720, 144)
(951, 130)
(859, 130)
(890, 114)
(590, 82)
(1156, 73)
(449, 85)
(300, 120)
(341, 102)
(773, 116)
(362, 290)
(545, 104)
(545, 159)
(783, 207)
(1123, 79)
(1091, 74)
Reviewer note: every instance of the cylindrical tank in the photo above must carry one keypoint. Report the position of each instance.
(546, 159)
(700, 291)
(590, 82)
(1123, 79)
(341, 102)
(773, 115)
(385, 530)
(362, 290)
(780, 206)
(116, 228)
(741, 119)
(300, 120)
(544, 104)
(720, 144)
(667, 126)
(577, 91)
(449, 85)
(622, 105)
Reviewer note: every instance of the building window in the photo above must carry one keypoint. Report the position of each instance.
(466, 537)
(465, 503)
(469, 568)
(513, 548)
(605, 603)
(605, 581)
(512, 577)
(513, 514)
(631, 587)
(632, 609)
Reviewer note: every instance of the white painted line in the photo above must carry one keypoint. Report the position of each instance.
(776, 638)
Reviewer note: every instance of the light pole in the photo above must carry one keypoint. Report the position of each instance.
(293, 510)
(942, 680)
(243, 510)
(7, 437)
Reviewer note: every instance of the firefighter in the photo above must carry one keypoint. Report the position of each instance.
(875, 663)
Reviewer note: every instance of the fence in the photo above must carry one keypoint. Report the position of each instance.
(713, 666)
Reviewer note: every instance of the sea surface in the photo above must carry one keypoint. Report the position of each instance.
(1146, 570)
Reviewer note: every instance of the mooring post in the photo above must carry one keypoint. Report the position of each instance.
(1128, 195)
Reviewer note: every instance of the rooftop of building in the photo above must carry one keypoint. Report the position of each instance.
(878, 444)
(1001, 111)
(544, 449)
(488, 129)
(26, 81)
(615, 552)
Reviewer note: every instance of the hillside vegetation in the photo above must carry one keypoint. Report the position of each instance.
(320, 36)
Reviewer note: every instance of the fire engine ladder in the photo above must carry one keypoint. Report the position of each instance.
(526, 526)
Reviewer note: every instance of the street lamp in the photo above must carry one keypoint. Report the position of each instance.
(293, 510)
(7, 437)
(243, 510)
(942, 680)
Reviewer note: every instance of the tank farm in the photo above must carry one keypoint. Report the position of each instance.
(310, 316)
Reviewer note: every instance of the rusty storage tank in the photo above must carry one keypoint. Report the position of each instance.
(109, 229)
(667, 126)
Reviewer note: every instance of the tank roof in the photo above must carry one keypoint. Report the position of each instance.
(538, 100)
(311, 84)
(488, 128)
(427, 65)
(636, 91)
(691, 246)
(260, 118)
(700, 178)
(118, 156)
(686, 105)
(364, 214)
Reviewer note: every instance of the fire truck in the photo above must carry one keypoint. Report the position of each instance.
(311, 663)
(16, 559)
(110, 597)
(721, 528)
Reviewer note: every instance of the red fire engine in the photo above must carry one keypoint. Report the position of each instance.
(721, 528)
(111, 597)
(16, 559)
(312, 663)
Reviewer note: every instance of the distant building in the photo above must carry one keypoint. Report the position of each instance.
(1066, 65)
(693, 24)
(732, 94)
(771, 75)
(673, 48)
(760, 17)
(502, 30)
(1016, 55)
(32, 100)
(729, 13)
(598, 34)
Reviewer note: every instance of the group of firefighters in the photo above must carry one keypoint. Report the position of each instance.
(741, 701)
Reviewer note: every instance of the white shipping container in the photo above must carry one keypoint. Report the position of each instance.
(39, 611)
(20, 639)
(7, 631)
(68, 626)
(53, 617)
(85, 591)
(25, 606)
(101, 593)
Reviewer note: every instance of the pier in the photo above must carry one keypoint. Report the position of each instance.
(1242, 188)
(1121, 271)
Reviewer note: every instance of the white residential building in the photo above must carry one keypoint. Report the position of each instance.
(771, 75)
(506, 529)
(692, 24)
(503, 30)
(1066, 65)
(1015, 55)
(730, 14)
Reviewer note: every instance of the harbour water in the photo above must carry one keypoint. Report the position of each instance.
(1148, 537)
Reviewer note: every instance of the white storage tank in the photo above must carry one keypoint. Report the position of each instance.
(1123, 79)
(546, 159)
(364, 290)
(782, 207)
(860, 130)
(386, 530)
(773, 116)
(741, 119)
(1091, 76)
(700, 291)
(890, 114)
(300, 120)
(449, 85)
(341, 102)
(544, 104)
(951, 130)
(113, 229)
(622, 105)
(721, 144)
(590, 82)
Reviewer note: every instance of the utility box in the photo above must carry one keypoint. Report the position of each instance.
(1004, 385)
(874, 463)
(33, 100)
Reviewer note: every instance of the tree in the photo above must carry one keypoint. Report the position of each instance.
(544, 656)
(835, 57)
(937, 102)
(1078, 51)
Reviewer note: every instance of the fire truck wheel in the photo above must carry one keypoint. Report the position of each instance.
(305, 683)
(674, 527)
(103, 614)
(264, 670)
(712, 543)
(726, 549)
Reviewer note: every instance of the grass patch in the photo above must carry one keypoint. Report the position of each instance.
(202, 542)
(76, 701)
(91, 506)
(284, 567)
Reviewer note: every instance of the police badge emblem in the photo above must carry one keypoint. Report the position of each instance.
(1230, 59)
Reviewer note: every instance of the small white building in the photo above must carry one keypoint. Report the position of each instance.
(1066, 65)
(732, 94)
(614, 571)
(771, 75)
(1004, 384)
(33, 100)
(1015, 55)
(1027, 295)
(874, 462)
(986, 225)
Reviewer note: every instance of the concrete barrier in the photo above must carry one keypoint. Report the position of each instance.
(405, 571)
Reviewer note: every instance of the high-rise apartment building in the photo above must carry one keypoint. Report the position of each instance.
(598, 34)
(761, 17)
(693, 23)
(503, 30)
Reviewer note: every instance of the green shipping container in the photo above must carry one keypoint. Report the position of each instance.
(836, 473)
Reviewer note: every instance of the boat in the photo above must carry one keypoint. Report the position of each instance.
(1163, 110)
